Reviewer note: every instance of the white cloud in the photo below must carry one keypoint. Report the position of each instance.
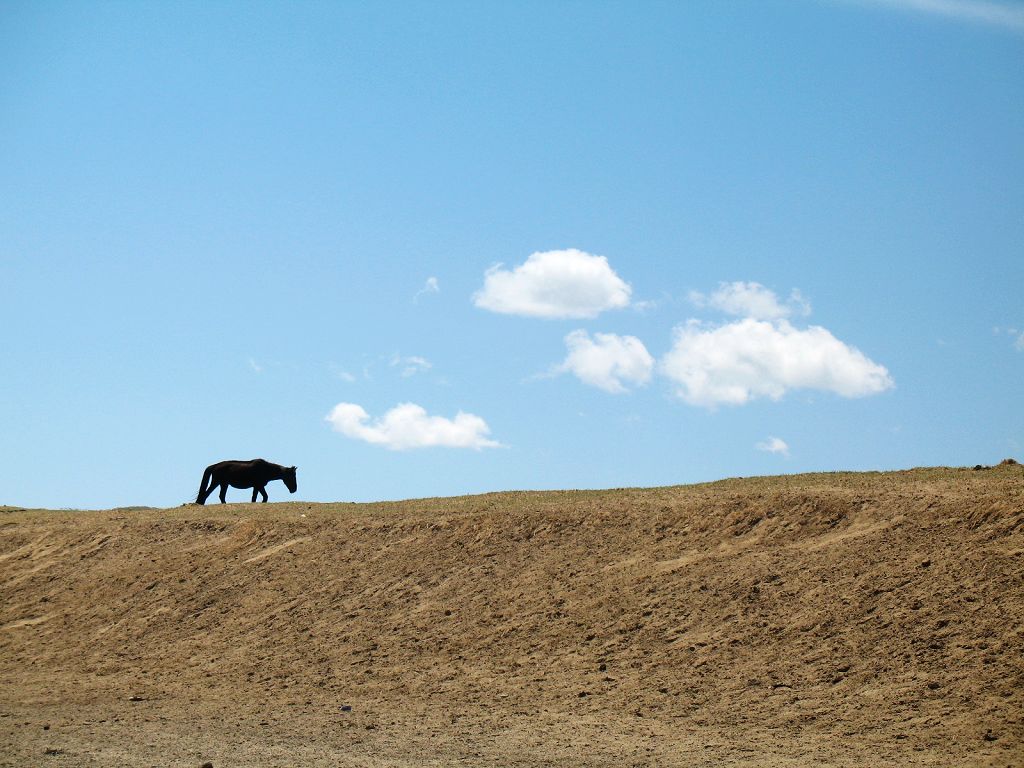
(254, 366)
(747, 359)
(1006, 15)
(1015, 333)
(407, 425)
(646, 305)
(342, 373)
(431, 286)
(554, 284)
(798, 303)
(607, 361)
(773, 445)
(751, 300)
(410, 365)
(1018, 343)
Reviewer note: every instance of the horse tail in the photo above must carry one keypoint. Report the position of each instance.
(200, 499)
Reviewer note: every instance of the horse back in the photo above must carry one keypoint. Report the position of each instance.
(252, 470)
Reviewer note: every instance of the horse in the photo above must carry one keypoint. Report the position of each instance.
(253, 474)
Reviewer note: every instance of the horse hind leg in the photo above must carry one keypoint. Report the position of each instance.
(263, 490)
(204, 492)
(223, 493)
(204, 495)
(254, 492)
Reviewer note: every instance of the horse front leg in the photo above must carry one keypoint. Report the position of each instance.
(263, 490)
(255, 490)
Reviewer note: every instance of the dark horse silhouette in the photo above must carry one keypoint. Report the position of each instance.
(253, 474)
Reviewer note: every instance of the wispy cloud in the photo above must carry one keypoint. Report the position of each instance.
(343, 373)
(408, 426)
(1014, 333)
(410, 365)
(773, 445)
(644, 306)
(1005, 15)
(431, 286)
(1018, 338)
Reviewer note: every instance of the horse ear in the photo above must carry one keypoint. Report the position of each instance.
(294, 468)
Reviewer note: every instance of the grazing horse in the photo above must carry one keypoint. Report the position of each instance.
(253, 474)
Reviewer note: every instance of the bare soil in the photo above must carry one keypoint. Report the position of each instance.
(817, 620)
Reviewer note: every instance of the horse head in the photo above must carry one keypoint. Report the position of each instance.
(289, 479)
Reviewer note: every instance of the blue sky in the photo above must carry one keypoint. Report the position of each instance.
(631, 244)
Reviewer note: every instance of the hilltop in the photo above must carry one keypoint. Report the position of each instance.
(826, 620)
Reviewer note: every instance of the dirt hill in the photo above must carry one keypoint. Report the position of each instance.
(840, 619)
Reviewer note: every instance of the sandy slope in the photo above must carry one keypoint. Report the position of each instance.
(847, 619)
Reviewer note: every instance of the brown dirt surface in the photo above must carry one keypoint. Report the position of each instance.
(816, 620)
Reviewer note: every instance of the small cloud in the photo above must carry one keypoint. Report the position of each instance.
(798, 303)
(1005, 15)
(554, 284)
(431, 286)
(773, 445)
(751, 300)
(255, 367)
(410, 365)
(1015, 333)
(345, 375)
(645, 306)
(747, 359)
(607, 361)
(408, 426)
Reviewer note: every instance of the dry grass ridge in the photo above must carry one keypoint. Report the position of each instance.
(826, 620)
